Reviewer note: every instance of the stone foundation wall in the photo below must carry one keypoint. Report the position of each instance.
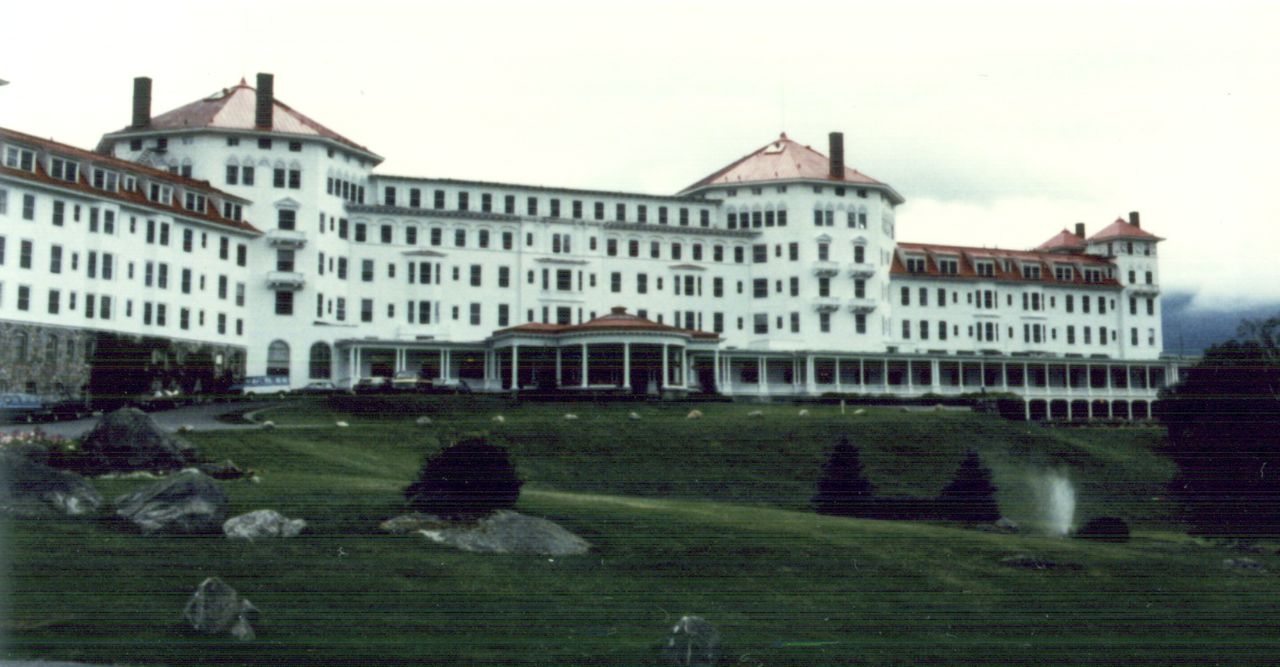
(58, 361)
(45, 360)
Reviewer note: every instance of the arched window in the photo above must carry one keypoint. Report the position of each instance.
(321, 361)
(278, 359)
(51, 349)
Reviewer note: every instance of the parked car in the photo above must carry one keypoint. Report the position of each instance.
(318, 388)
(408, 381)
(262, 384)
(372, 385)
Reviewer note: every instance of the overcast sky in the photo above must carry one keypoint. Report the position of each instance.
(1001, 123)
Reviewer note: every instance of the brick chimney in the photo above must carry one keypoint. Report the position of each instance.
(835, 142)
(141, 102)
(1080, 230)
(1133, 219)
(266, 101)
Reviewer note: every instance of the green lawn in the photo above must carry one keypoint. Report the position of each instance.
(687, 517)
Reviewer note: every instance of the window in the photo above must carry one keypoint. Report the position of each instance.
(760, 288)
(25, 250)
(475, 275)
(760, 323)
(906, 296)
(760, 253)
(20, 158)
(59, 213)
(284, 302)
(475, 315)
(321, 361)
(55, 259)
(860, 323)
(366, 310)
(504, 276)
(385, 233)
(531, 206)
(460, 238)
(366, 270)
(916, 264)
(615, 282)
(795, 322)
(54, 297)
(28, 207)
(63, 170)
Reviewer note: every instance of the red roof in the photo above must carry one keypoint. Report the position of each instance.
(1120, 229)
(1063, 241)
(784, 160)
(234, 109)
(967, 256)
(618, 319)
(136, 197)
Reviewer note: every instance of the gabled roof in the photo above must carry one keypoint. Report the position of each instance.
(234, 109)
(1120, 229)
(618, 319)
(786, 160)
(135, 197)
(1063, 241)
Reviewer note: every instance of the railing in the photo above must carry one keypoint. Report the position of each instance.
(286, 280)
(286, 238)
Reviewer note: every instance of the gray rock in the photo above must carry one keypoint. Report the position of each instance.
(215, 608)
(1247, 564)
(412, 523)
(186, 503)
(29, 488)
(227, 469)
(693, 641)
(262, 523)
(423, 421)
(507, 532)
(129, 439)
(1028, 562)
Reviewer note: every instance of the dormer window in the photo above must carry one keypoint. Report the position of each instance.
(160, 193)
(63, 170)
(194, 202)
(916, 265)
(948, 265)
(20, 158)
(1031, 271)
(1063, 273)
(105, 180)
(1092, 275)
(230, 211)
(987, 268)
(130, 183)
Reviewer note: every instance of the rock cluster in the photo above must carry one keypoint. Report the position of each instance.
(216, 608)
(262, 523)
(190, 503)
(29, 488)
(503, 532)
(129, 439)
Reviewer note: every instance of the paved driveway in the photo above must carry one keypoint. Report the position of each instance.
(201, 417)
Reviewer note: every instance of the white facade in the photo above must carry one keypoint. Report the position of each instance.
(359, 273)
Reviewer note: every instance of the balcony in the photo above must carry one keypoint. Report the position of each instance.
(825, 269)
(826, 304)
(1145, 288)
(862, 270)
(861, 305)
(285, 280)
(286, 238)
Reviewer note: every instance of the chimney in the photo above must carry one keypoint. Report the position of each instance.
(1133, 219)
(141, 102)
(266, 101)
(1080, 230)
(836, 143)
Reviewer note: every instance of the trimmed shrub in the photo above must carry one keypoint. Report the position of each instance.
(1105, 529)
(466, 480)
(844, 490)
(970, 497)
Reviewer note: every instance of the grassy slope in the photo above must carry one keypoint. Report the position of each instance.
(728, 546)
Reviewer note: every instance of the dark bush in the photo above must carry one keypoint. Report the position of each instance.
(844, 490)
(466, 480)
(1105, 529)
(970, 497)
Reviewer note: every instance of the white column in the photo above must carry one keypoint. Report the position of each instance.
(763, 375)
(934, 380)
(626, 365)
(839, 388)
(665, 370)
(515, 367)
(557, 367)
(353, 371)
(715, 370)
(444, 364)
(584, 364)
(810, 383)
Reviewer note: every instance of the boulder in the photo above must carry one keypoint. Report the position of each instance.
(29, 488)
(499, 419)
(262, 523)
(186, 503)
(694, 414)
(1028, 562)
(693, 641)
(1006, 525)
(129, 439)
(341, 424)
(422, 421)
(859, 411)
(756, 413)
(507, 532)
(412, 523)
(803, 413)
(633, 416)
(1247, 564)
(216, 608)
(226, 469)
(570, 416)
